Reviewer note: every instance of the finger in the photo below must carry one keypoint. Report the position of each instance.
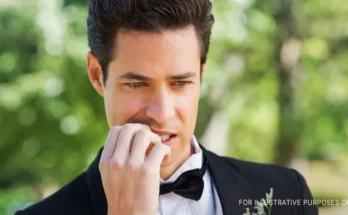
(110, 144)
(115, 154)
(157, 155)
(125, 140)
(142, 141)
(106, 155)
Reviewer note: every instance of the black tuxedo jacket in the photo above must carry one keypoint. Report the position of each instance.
(238, 183)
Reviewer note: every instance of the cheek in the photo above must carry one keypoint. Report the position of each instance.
(122, 108)
(187, 105)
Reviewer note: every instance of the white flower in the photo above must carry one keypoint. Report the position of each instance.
(261, 205)
(247, 212)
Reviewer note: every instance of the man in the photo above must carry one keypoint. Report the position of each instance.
(147, 60)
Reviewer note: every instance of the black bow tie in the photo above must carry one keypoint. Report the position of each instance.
(189, 185)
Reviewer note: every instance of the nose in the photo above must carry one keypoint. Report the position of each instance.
(161, 107)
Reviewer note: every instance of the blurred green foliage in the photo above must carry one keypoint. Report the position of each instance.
(52, 121)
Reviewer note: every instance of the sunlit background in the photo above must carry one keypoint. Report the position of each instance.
(275, 91)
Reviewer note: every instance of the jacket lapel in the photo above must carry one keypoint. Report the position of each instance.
(95, 187)
(231, 188)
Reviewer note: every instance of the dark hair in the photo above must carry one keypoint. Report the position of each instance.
(107, 17)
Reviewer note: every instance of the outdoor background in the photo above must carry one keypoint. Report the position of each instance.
(275, 91)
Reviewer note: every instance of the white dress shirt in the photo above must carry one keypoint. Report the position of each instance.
(208, 204)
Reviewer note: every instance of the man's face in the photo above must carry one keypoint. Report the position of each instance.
(154, 79)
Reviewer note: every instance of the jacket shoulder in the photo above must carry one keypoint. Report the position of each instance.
(287, 183)
(267, 174)
(261, 170)
(73, 198)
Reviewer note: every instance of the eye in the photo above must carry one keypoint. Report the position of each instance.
(135, 84)
(182, 83)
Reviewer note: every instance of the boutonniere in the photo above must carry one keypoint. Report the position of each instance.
(263, 205)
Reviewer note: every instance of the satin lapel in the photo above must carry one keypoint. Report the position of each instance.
(231, 188)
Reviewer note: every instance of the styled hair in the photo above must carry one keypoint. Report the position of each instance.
(108, 17)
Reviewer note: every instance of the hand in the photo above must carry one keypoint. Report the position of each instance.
(130, 178)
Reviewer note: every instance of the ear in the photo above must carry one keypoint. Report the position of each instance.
(95, 73)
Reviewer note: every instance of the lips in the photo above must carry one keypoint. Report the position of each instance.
(171, 140)
(164, 135)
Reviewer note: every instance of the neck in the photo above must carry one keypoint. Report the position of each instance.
(168, 171)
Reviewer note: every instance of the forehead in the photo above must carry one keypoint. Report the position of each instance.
(165, 46)
(167, 35)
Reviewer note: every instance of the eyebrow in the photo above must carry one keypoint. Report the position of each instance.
(134, 76)
(183, 76)
(137, 76)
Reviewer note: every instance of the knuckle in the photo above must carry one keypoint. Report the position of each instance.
(161, 147)
(131, 166)
(114, 128)
(157, 146)
(145, 127)
(147, 170)
(116, 164)
(127, 127)
(141, 133)
(167, 148)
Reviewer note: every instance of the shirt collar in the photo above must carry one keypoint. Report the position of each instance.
(193, 162)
